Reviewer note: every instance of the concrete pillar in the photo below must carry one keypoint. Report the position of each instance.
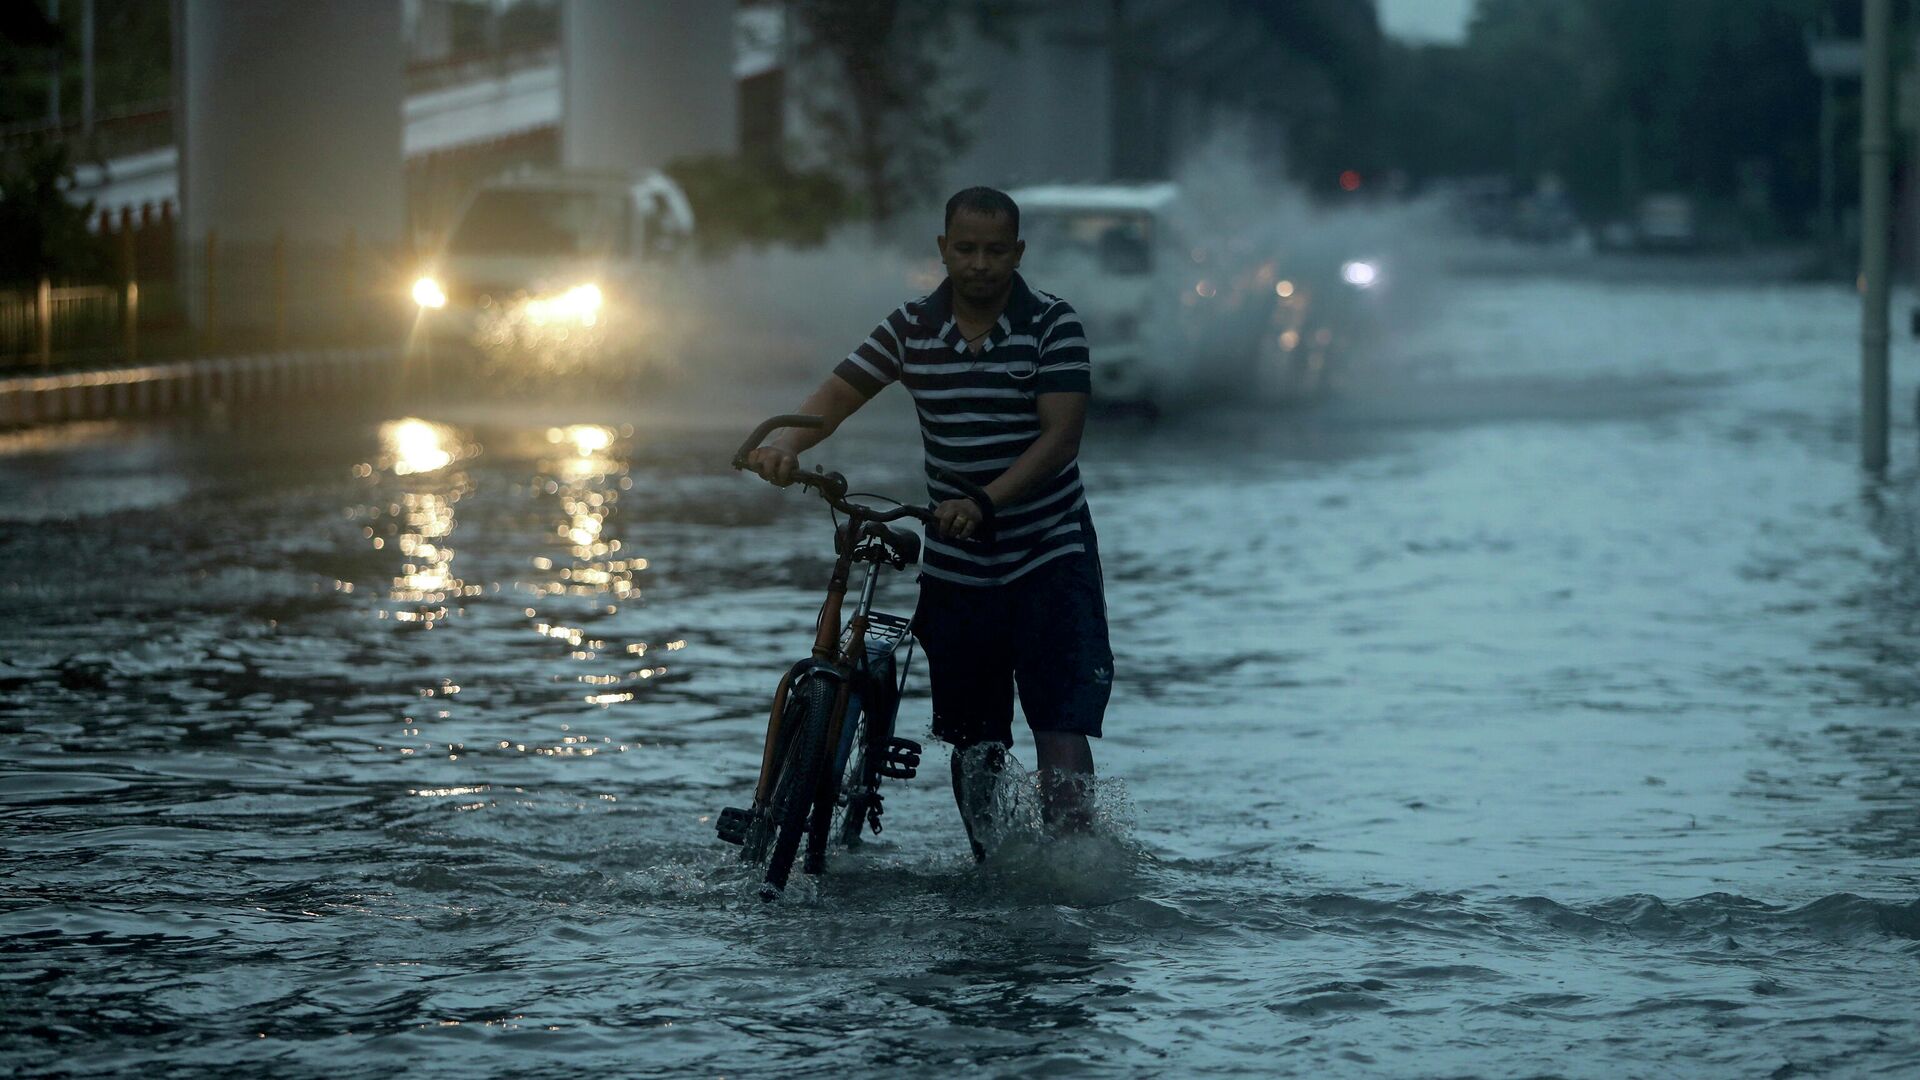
(292, 121)
(432, 23)
(1049, 109)
(646, 81)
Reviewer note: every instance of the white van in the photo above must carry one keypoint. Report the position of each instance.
(1164, 315)
(545, 260)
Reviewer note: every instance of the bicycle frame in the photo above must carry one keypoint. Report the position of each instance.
(855, 650)
(838, 653)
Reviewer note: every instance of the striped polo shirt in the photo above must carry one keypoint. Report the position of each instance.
(978, 415)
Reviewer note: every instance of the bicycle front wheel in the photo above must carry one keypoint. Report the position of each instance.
(859, 783)
(807, 754)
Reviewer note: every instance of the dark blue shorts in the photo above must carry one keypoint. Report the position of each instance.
(1044, 633)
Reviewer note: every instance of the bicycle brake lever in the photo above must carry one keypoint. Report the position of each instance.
(831, 484)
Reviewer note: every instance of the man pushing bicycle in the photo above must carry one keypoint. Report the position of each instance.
(1011, 596)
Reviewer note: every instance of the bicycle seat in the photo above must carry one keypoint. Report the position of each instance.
(902, 548)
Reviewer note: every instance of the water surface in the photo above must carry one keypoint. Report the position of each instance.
(1546, 706)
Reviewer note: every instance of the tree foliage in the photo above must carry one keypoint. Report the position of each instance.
(1310, 66)
(132, 57)
(46, 236)
(740, 201)
(892, 108)
(1618, 98)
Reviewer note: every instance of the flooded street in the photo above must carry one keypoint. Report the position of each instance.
(1549, 704)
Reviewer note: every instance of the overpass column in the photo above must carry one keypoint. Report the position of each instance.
(293, 119)
(646, 81)
(290, 120)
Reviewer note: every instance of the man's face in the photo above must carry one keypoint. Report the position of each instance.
(981, 252)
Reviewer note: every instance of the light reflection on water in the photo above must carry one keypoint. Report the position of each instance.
(1518, 720)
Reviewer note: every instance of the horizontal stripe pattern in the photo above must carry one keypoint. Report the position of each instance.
(978, 413)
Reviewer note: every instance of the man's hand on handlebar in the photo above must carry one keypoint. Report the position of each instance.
(774, 465)
(958, 519)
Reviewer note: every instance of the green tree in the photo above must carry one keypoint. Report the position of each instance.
(1619, 98)
(1312, 66)
(46, 234)
(895, 111)
(740, 201)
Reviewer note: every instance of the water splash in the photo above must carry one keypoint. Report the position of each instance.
(1032, 859)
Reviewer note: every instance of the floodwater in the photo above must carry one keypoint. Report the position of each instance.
(1549, 705)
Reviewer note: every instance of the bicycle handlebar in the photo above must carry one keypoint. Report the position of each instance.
(833, 487)
(799, 420)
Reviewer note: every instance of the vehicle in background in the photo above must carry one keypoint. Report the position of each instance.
(1101, 245)
(561, 266)
(1666, 221)
(1174, 313)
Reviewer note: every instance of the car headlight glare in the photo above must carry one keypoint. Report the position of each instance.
(428, 293)
(1360, 273)
(579, 304)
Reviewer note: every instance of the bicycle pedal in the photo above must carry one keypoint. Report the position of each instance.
(900, 759)
(733, 824)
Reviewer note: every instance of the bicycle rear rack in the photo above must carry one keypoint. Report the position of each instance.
(885, 632)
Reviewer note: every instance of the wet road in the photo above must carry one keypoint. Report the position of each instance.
(1547, 706)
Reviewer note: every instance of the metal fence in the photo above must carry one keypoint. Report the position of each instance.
(220, 298)
(79, 323)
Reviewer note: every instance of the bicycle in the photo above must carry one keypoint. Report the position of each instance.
(830, 739)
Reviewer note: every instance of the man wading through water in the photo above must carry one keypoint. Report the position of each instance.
(1010, 593)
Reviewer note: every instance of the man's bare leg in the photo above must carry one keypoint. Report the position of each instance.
(975, 772)
(1066, 779)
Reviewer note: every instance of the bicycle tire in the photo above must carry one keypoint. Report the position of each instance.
(807, 754)
(860, 781)
(820, 828)
(766, 823)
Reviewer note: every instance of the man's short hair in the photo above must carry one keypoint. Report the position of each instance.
(983, 200)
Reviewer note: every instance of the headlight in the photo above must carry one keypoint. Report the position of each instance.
(583, 299)
(428, 293)
(1360, 273)
(579, 304)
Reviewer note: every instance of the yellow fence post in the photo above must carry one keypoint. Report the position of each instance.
(280, 290)
(210, 336)
(43, 314)
(130, 304)
(130, 313)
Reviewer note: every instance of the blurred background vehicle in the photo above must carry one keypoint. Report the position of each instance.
(1176, 310)
(561, 265)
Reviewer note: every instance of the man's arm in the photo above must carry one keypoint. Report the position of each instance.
(1063, 417)
(833, 401)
